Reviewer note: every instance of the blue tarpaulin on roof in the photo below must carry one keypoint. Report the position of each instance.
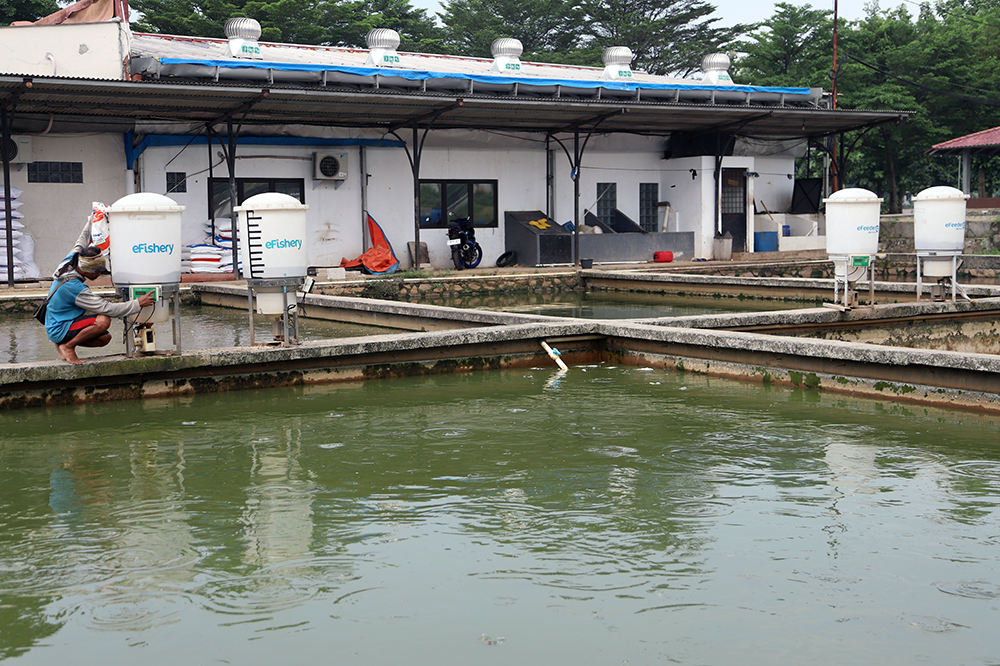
(419, 75)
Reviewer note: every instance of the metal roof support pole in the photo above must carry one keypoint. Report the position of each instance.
(414, 158)
(5, 122)
(365, 236)
(415, 163)
(575, 160)
(211, 177)
(229, 153)
(548, 176)
(718, 183)
(966, 170)
(577, 157)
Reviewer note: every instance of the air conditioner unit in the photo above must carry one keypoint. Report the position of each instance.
(19, 149)
(329, 166)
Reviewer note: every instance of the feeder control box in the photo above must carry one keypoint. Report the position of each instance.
(140, 290)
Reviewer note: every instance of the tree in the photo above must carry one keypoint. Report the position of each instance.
(666, 36)
(548, 29)
(939, 68)
(350, 23)
(793, 48)
(25, 10)
(337, 22)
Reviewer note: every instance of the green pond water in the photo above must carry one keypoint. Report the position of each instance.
(23, 340)
(623, 305)
(606, 515)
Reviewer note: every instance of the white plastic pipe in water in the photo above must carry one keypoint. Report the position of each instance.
(554, 355)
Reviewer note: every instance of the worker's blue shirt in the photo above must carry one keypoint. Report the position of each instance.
(62, 308)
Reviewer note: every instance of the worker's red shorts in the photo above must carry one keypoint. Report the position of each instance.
(80, 323)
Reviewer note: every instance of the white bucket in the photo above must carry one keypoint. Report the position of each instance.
(272, 236)
(271, 301)
(145, 233)
(157, 313)
(939, 220)
(852, 222)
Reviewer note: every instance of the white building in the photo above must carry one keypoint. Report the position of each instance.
(99, 112)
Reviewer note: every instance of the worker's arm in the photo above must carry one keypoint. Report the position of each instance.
(91, 302)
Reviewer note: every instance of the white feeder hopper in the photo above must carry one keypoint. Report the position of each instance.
(145, 250)
(272, 242)
(145, 239)
(852, 229)
(939, 233)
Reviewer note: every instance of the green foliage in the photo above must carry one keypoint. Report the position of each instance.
(343, 23)
(546, 28)
(666, 36)
(940, 66)
(417, 30)
(25, 10)
(793, 48)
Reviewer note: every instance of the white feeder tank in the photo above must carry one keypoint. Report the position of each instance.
(272, 228)
(272, 241)
(939, 227)
(852, 222)
(145, 236)
(145, 239)
(852, 226)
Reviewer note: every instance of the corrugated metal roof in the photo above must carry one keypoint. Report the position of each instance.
(194, 48)
(191, 80)
(386, 109)
(188, 58)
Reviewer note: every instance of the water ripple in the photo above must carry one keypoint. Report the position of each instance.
(254, 595)
(713, 509)
(137, 611)
(978, 469)
(970, 589)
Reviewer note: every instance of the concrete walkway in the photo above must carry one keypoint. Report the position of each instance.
(470, 340)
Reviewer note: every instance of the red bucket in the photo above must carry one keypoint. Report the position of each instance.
(663, 257)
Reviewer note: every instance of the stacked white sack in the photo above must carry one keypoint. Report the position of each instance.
(21, 244)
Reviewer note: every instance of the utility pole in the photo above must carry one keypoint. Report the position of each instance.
(835, 173)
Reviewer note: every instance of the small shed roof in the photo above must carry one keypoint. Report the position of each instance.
(986, 142)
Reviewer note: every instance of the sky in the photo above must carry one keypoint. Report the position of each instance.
(731, 12)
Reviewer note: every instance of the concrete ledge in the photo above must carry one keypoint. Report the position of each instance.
(932, 377)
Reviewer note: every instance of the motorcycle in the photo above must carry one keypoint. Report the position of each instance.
(465, 251)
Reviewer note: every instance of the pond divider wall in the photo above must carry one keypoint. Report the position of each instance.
(479, 340)
(765, 347)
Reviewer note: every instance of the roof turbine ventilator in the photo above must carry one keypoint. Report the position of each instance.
(243, 34)
(617, 62)
(382, 45)
(716, 68)
(506, 55)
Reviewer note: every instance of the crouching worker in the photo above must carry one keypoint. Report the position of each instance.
(76, 316)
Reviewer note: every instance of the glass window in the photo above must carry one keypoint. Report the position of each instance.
(649, 194)
(218, 191)
(484, 204)
(176, 181)
(457, 198)
(445, 201)
(430, 205)
(607, 202)
(55, 172)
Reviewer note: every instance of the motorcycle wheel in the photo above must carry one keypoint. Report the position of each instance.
(472, 256)
(456, 256)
